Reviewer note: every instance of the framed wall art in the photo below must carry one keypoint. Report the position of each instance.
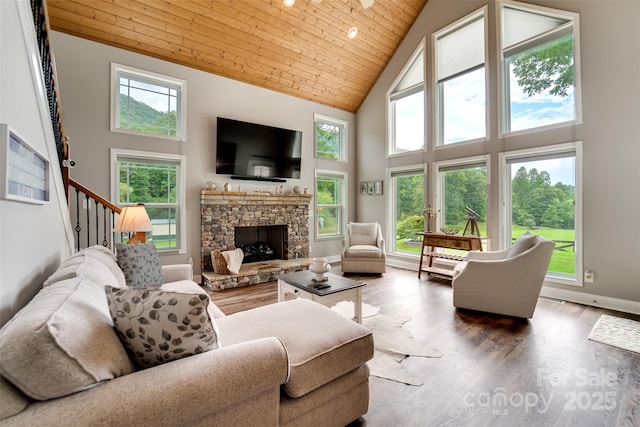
(377, 187)
(24, 172)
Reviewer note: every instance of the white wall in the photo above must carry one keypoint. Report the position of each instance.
(610, 43)
(33, 238)
(84, 70)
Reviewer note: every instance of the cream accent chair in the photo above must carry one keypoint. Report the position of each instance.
(364, 249)
(504, 282)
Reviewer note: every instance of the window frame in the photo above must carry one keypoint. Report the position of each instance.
(343, 205)
(393, 95)
(505, 216)
(181, 205)
(438, 93)
(503, 87)
(344, 137)
(392, 173)
(153, 78)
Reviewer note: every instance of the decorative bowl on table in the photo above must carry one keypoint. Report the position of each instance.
(449, 231)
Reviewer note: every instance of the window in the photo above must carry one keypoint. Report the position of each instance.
(539, 67)
(331, 138)
(144, 102)
(407, 205)
(157, 180)
(461, 94)
(542, 195)
(406, 108)
(461, 193)
(330, 204)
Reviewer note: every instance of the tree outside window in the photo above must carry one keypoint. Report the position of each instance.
(543, 195)
(538, 49)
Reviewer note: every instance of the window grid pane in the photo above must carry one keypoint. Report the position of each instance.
(147, 106)
(543, 202)
(541, 85)
(155, 185)
(329, 205)
(409, 123)
(330, 140)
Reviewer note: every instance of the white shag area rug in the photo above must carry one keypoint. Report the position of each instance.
(618, 332)
(392, 343)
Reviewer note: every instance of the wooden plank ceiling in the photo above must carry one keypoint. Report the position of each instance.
(302, 50)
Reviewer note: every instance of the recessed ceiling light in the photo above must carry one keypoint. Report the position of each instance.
(288, 3)
(352, 33)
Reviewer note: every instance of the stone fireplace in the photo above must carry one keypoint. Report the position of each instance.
(238, 219)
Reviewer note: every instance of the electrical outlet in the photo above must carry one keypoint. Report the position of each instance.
(588, 276)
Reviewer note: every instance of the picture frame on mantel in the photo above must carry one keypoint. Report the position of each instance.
(24, 172)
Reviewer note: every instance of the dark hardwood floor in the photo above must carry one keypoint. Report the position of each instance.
(496, 371)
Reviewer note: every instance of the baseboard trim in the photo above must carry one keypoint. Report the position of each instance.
(617, 304)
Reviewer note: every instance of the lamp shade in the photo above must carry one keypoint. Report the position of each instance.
(133, 219)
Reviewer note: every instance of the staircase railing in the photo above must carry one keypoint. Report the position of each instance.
(41, 23)
(94, 217)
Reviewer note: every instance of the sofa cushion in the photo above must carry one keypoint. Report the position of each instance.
(363, 233)
(92, 265)
(140, 264)
(158, 326)
(363, 251)
(12, 402)
(62, 342)
(322, 345)
(522, 244)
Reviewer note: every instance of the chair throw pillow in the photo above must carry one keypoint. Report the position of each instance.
(140, 264)
(234, 260)
(158, 326)
(522, 244)
(364, 233)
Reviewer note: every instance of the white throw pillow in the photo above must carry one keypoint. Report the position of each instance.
(522, 244)
(363, 233)
(234, 260)
(158, 326)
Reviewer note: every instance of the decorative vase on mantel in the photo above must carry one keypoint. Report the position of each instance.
(320, 267)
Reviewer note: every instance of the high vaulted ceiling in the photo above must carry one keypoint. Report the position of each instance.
(301, 50)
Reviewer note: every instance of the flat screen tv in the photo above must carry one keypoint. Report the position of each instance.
(257, 152)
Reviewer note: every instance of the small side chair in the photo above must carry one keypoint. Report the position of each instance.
(364, 250)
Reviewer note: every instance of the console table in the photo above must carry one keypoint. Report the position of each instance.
(441, 240)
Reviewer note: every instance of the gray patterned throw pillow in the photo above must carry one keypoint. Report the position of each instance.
(159, 326)
(140, 264)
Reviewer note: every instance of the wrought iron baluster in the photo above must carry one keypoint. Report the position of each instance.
(78, 228)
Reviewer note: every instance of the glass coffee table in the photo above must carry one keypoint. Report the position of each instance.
(328, 293)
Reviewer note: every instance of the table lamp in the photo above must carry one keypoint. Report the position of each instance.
(134, 219)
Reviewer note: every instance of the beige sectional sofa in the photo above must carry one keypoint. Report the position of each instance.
(290, 363)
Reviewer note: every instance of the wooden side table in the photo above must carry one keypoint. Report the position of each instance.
(441, 240)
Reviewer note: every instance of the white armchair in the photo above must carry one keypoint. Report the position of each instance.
(364, 250)
(504, 282)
